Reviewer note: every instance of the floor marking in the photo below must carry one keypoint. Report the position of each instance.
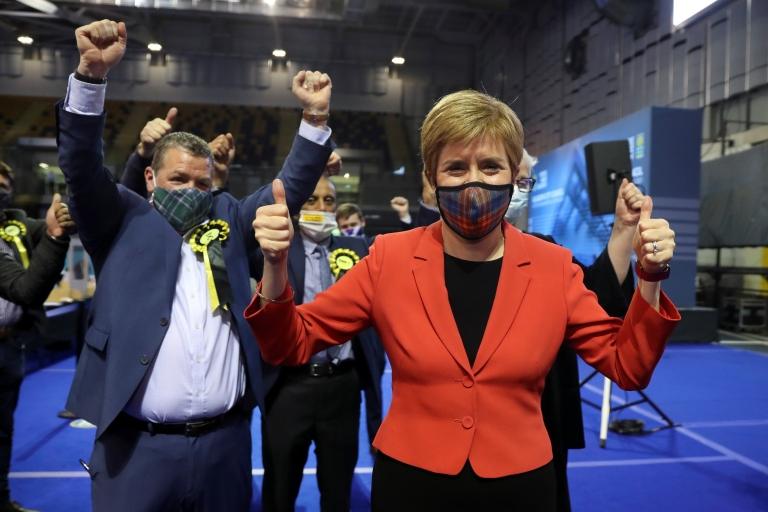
(693, 435)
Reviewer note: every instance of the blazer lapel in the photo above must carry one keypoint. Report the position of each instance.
(429, 272)
(296, 267)
(513, 283)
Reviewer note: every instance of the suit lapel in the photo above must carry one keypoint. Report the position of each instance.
(429, 272)
(513, 283)
(296, 267)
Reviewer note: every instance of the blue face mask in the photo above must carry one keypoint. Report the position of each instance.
(517, 204)
(354, 231)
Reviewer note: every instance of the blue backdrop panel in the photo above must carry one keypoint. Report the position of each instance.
(665, 147)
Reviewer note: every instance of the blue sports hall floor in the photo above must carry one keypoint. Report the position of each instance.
(716, 461)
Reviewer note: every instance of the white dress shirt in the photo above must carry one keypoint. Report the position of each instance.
(198, 372)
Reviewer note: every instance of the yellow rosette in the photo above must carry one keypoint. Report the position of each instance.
(13, 231)
(203, 240)
(341, 260)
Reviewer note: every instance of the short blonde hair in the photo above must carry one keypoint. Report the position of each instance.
(466, 116)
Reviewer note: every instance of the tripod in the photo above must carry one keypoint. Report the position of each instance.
(606, 409)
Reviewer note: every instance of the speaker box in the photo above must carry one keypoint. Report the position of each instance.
(607, 163)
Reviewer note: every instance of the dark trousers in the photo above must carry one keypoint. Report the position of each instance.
(405, 488)
(302, 409)
(135, 471)
(11, 375)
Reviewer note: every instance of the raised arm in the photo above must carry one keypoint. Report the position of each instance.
(133, 172)
(29, 287)
(95, 202)
(627, 352)
(288, 335)
(310, 151)
(610, 276)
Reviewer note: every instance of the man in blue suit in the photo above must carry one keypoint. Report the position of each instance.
(320, 402)
(170, 371)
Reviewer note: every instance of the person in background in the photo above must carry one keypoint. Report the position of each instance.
(428, 211)
(610, 277)
(169, 373)
(471, 313)
(222, 147)
(320, 401)
(32, 254)
(351, 221)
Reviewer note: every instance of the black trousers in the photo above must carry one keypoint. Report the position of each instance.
(401, 487)
(302, 409)
(11, 375)
(135, 471)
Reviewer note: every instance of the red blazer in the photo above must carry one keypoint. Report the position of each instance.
(443, 410)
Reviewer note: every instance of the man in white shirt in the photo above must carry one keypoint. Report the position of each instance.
(169, 372)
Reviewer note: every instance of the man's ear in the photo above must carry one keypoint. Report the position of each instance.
(149, 179)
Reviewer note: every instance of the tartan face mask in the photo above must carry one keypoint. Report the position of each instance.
(183, 208)
(473, 209)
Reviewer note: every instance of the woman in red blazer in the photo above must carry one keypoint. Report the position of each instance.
(471, 313)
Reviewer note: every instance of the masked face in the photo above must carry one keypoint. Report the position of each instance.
(317, 225)
(353, 231)
(473, 209)
(183, 208)
(518, 204)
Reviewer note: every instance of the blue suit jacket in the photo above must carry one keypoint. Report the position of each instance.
(369, 353)
(136, 255)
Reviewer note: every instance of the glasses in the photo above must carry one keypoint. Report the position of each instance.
(525, 184)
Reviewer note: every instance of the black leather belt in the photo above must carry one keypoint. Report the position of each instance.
(323, 369)
(189, 429)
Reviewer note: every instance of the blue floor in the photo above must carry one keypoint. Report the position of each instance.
(717, 461)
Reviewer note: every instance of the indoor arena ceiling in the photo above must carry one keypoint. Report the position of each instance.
(460, 21)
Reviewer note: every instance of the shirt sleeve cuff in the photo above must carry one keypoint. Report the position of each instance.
(313, 133)
(407, 219)
(84, 98)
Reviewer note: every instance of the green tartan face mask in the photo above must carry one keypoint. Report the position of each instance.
(184, 208)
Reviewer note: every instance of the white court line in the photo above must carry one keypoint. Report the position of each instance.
(693, 435)
(369, 470)
(720, 424)
(643, 462)
(68, 370)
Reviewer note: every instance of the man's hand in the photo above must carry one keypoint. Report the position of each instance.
(101, 45)
(401, 206)
(628, 203)
(273, 227)
(654, 241)
(223, 149)
(313, 90)
(153, 131)
(333, 165)
(57, 219)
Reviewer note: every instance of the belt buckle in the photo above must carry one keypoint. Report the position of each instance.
(195, 428)
(315, 370)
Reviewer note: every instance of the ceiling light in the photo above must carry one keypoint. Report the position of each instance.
(346, 175)
(270, 3)
(25, 39)
(43, 165)
(279, 53)
(154, 47)
(398, 61)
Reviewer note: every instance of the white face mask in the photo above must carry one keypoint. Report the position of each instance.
(517, 204)
(317, 226)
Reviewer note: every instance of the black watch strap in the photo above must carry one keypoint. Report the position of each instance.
(89, 80)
